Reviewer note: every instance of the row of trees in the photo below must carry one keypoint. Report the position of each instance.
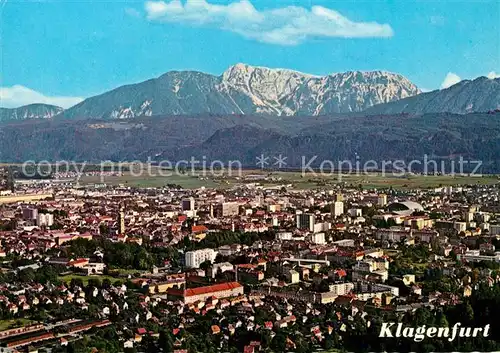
(215, 240)
(116, 254)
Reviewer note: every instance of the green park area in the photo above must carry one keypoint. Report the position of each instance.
(116, 274)
(377, 180)
(152, 181)
(86, 279)
(14, 323)
(296, 179)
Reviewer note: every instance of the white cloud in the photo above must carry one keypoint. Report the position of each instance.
(450, 79)
(289, 25)
(493, 75)
(17, 95)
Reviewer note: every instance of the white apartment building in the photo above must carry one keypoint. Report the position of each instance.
(220, 267)
(355, 212)
(494, 229)
(475, 256)
(44, 219)
(460, 226)
(284, 236)
(322, 227)
(226, 209)
(341, 288)
(338, 208)
(382, 200)
(318, 238)
(197, 257)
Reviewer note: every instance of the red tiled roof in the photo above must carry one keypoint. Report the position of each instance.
(249, 266)
(249, 349)
(199, 228)
(78, 261)
(29, 340)
(211, 289)
(341, 273)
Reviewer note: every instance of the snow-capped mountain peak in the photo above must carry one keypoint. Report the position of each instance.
(247, 89)
(288, 92)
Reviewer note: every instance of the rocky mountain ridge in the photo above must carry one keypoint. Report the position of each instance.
(245, 89)
(31, 111)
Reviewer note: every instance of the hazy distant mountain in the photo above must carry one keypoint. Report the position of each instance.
(479, 95)
(244, 89)
(31, 111)
(474, 136)
(443, 136)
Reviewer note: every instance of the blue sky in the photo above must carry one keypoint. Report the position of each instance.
(61, 51)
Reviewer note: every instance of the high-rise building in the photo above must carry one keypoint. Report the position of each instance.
(355, 212)
(317, 238)
(45, 219)
(322, 226)
(460, 226)
(382, 200)
(494, 229)
(468, 217)
(309, 202)
(121, 222)
(274, 207)
(337, 208)
(195, 258)
(188, 204)
(30, 214)
(226, 209)
(306, 221)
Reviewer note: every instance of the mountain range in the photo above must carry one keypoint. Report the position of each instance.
(244, 89)
(31, 111)
(444, 136)
(251, 90)
(248, 111)
(479, 95)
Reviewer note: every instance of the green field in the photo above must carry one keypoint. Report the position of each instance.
(151, 181)
(299, 181)
(383, 181)
(125, 271)
(154, 177)
(85, 279)
(14, 323)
